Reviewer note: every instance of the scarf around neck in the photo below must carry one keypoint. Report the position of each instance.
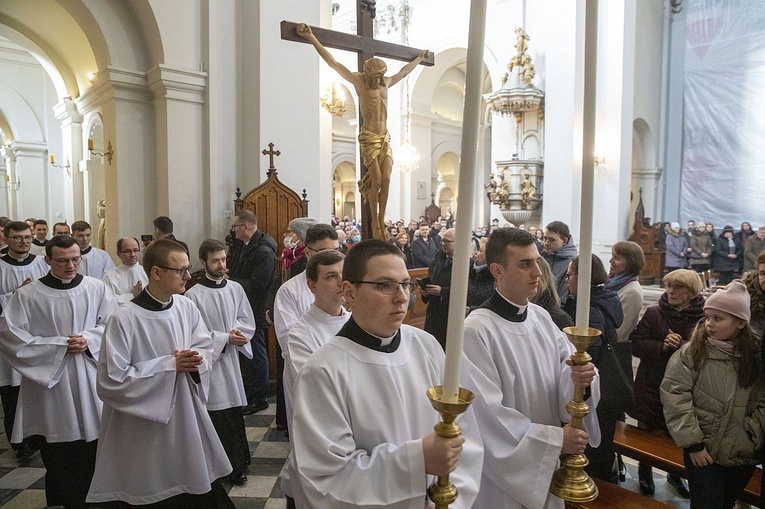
(619, 281)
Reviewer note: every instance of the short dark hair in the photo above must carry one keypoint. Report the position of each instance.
(4, 220)
(119, 243)
(62, 241)
(41, 221)
(164, 224)
(80, 226)
(560, 228)
(326, 257)
(496, 247)
(318, 232)
(598, 276)
(633, 253)
(247, 216)
(423, 223)
(16, 226)
(357, 259)
(61, 224)
(158, 252)
(209, 247)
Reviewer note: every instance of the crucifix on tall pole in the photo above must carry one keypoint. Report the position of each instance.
(372, 88)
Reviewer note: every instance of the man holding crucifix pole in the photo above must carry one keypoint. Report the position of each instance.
(372, 88)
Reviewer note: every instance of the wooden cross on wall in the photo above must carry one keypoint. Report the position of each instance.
(366, 46)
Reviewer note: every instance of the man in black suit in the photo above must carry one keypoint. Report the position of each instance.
(163, 229)
(424, 248)
(252, 266)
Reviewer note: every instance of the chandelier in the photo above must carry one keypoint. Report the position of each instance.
(333, 104)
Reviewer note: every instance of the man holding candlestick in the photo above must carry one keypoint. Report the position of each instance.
(517, 364)
(362, 425)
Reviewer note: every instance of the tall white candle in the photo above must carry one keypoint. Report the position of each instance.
(467, 176)
(588, 166)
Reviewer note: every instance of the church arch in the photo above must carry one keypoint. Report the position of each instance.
(19, 117)
(644, 145)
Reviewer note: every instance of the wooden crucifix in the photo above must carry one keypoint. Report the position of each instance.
(271, 153)
(372, 88)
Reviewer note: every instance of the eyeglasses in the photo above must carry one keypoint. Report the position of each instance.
(181, 271)
(20, 238)
(390, 287)
(65, 261)
(130, 251)
(569, 274)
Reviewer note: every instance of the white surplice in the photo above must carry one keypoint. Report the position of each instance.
(359, 419)
(12, 274)
(57, 398)
(522, 384)
(95, 263)
(312, 330)
(225, 308)
(156, 440)
(292, 301)
(121, 280)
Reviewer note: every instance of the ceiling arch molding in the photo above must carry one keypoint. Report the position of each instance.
(19, 117)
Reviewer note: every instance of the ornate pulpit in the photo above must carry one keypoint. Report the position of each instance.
(651, 239)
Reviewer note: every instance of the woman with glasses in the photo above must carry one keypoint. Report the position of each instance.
(663, 329)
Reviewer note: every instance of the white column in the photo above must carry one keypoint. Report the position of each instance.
(75, 194)
(5, 170)
(31, 174)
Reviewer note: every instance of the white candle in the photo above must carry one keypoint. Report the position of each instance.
(584, 273)
(467, 176)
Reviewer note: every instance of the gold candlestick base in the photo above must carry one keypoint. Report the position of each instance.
(571, 482)
(443, 492)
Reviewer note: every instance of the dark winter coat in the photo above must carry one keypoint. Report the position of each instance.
(647, 342)
(252, 266)
(558, 262)
(677, 248)
(558, 315)
(700, 244)
(722, 249)
(424, 252)
(437, 312)
(480, 287)
(605, 315)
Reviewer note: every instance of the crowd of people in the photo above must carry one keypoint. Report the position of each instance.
(134, 383)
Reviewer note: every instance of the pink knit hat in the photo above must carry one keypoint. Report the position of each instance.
(733, 299)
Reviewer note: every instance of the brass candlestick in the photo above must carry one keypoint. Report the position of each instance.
(443, 492)
(570, 482)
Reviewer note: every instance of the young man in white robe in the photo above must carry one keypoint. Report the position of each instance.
(53, 338)
(128, 279)
(18, 267)
(157, 443)
(228, 316)
(362, 424)
(517, 364)
(40, 232)
(325, 317)
(95, 262)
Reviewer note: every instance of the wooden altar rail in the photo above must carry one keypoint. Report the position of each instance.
(660, 451)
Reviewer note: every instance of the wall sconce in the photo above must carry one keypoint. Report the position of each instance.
(108, 154)
(600, 160)
(9, 182)
(333, 104)
(65, 167)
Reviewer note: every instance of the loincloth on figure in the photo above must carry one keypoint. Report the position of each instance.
(374, 148)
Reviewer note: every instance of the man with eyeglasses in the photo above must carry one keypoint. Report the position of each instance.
(128, 279)
(252, 266)
(95, 262)
(318, 325)
(362, 424)
(227, 314)
(53, 338)
(436, 294)
(61, 229)
(157, 442)
(18, 267)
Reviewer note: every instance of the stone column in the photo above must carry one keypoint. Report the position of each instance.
(30, 172)
(71, 132)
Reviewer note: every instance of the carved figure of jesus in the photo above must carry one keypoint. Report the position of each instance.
(371, 85)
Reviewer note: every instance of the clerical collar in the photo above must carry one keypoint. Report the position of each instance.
(86, 251)
(151, 303)
(213, 283)
(510, 311)
(39, 242)
(52, 281)
(352, 331)
(10, 260)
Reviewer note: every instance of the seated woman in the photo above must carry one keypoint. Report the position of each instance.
(663, 329)
(627, 262)
(606, 316)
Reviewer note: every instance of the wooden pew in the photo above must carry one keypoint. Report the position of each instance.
(611, 496)
(660, 451)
